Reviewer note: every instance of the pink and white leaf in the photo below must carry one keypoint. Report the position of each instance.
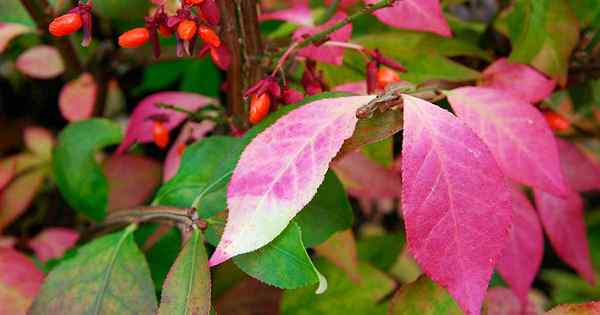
(139, 128)
(189, 133)
(516, 133)
(359, 87)
(417, 15)
(280, 170)
(519, 80)
(77, 98)
(8, 31)
(364, 178)
(581, 170)
(297, 14)
(325, 53)
(563, 221)
(53, 242)
(455, 201)
(522, 257)
(40, 141)
(41, 62)
(20, 281)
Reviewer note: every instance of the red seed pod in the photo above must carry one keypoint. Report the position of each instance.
(556, 121)
(209, 36)
(65, 24)
(186, 29)
(134, 38)
(160, 134)
(165, 30)
(386, 76)
(259, 108)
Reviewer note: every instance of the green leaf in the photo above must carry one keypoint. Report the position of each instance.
(202, 77)
(423, 297)
(327, 213)
(381, 152)
(587, 11)
(77, 174)
(343, 296)
(187, 288)
(161, 75)
(566, 287)
(161, 255)
(381, 250)
(283, 263)
(107, 276)
(122, 10)
(11, 11)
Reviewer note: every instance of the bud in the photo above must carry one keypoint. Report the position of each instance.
(209, 36)
(386, 76)
(186, 29)
(134, 38)
(259, 108)
(160, 134)
(65, 24)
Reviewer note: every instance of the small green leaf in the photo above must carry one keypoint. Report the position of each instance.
(77, 174)
(423, 297)
(381, 250)
(205, 71)
(327, 213)
(12, 11)
(162, 255)
(107, 276)
(381, 152)
(162, 75)
(122, 10)
(187, 288)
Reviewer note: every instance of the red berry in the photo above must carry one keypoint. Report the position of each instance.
(259, 108)
(65, 24)
(186, 29)
(386, 76)
(557, 122)
(160, 134)
(209, 36)
(134, 38)
(165, 30)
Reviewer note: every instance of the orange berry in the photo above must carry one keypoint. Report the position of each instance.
(186, 29)
(164, 30)
(193, 2)
(134, 38)
(65, 24)
(209, 36)
(259, 108)
(557, 122)
(386, 76)
(160, 134)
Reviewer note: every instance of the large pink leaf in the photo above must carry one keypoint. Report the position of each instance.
(77, 98)
(8, 31)
(20, 281)
(41, 62)
(39, 141)
(522, 81)
(53, 242)
(515, 132)
(563, 222)
(521, 259)
(298, 14)
(365, 178)
(580, 170)
(139, 128)
(324, 53)
(17, 197)
(189, 133)
(131, 180)
(455, 201)
(418, 15)
(280, 170)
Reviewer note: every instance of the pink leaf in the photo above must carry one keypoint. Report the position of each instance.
(359, 87)
(139, 127)
(39, 141)
(298, 14)
(20, 281)
(324, 53)
(53, 242)
(15, 198)
(515, 132)
(365, 178)
(418, 15)
(41, 62)
(8, 31)
(280, 170)
(455, 202)
(522, 257)
(501, 301)
(7, 242)
(131, 180)
(190, 132)
(580, 170)
(522, 81)
(77, 98)
(563, 222)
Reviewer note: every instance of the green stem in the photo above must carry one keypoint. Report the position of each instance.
(329, 12)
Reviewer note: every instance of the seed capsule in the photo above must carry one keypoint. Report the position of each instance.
(165, 30)
(386, 76)
(134, 38)
(259, 108)
(209, 36)
(186, 29)
(160, 134)
(556, 121)
(65, 24)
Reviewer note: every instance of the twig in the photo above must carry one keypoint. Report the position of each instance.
(184, 216)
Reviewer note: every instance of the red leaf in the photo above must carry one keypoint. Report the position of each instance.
(139, 127)
(131, 180)
(190, 132)
(324, 53)
(15, 199)
(77, 98)
(522, 257)
(8, 31)
(298, 14)
(563, 222)
(41, 62)
(53, 242)
(581, 171)
(20, 281)
(455, 202)
(501, 301)
(365, 178)
(515, 132)
(418, 15)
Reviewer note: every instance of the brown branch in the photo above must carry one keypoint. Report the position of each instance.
(251, 41)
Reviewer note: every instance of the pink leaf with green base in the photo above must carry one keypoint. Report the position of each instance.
(53, 243)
